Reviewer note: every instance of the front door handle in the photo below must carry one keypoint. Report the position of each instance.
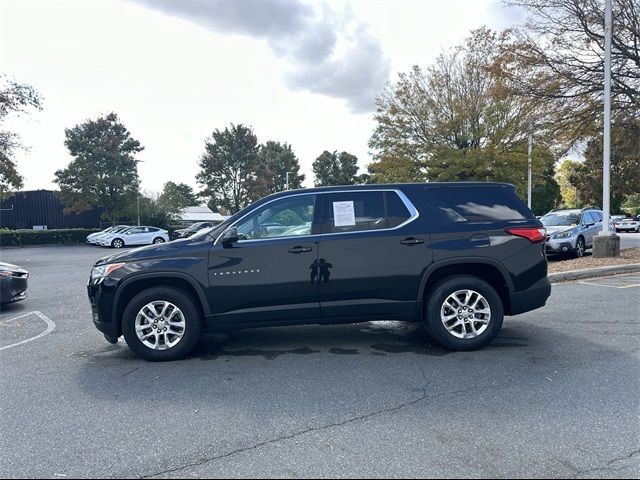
(300, 250)
(412, 241)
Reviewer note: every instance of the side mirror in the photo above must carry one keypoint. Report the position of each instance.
(230, 236)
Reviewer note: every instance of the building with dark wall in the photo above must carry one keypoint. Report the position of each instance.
(42, 207)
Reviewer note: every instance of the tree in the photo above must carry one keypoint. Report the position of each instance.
(335, 169)
(229, 168)
(175, 197)
(557, 60)
(625, 165)
(276, 159)
(455, 121)
(103, 172)
(390, 168)
(564, 172)
(15, 98)
(152, 211)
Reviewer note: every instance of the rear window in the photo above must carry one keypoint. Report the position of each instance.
(361, 211)
(477, 204)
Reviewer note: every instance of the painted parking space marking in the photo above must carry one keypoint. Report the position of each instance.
(629, 280)
(51, 326)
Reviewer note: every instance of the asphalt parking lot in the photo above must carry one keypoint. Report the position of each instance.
(556, 395)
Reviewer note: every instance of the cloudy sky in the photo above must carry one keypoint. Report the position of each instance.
(301, 72)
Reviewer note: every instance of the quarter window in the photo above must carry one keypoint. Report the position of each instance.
(289, 217)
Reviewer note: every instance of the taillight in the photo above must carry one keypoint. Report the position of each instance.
(533, 234)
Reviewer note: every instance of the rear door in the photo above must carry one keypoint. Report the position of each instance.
(371, 257)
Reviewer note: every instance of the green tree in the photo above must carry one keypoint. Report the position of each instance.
(229, 168)
(15, 98)
(276, 159)
(152, 211)
(335, 169)
(569, 192)
(395, 169)
(625, 165)
(175, 197)
(455, 121)
(103, 172)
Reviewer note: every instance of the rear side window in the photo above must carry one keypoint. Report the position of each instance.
(362, 211)
(477, 204)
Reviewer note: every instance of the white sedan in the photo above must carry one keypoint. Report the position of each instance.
(628, 225)
(134, 236)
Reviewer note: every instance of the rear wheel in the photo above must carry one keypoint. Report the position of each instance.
(158, 240)
(117, 243)
(464, 313)
(162, 324)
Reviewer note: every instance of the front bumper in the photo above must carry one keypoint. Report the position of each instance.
(13, 289)
(101, 299)
(560, 245)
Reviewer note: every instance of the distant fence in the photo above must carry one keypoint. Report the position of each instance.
(38, 208)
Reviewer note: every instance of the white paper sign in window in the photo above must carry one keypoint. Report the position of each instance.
(344, 214)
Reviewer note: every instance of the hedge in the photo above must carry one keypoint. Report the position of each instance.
(17, 238)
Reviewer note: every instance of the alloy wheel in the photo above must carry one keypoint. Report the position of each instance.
(160, 325)
(465, 314)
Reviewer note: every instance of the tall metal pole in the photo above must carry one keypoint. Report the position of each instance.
(287, 186)
(138, 203)
(606, 161)
(529, 170)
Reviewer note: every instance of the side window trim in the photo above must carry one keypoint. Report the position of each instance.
(320, 203)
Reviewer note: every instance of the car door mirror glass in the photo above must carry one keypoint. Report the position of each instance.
(230, 235)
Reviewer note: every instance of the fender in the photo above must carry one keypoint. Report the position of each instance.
(162, 274)
(463, 261)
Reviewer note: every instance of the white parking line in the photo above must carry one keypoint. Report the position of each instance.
(51, 326)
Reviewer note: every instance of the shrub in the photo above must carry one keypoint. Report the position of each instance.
(17, 238)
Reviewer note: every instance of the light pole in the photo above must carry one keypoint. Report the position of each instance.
(529, 169)
(287, 180)
(138, 200)
(606, 243)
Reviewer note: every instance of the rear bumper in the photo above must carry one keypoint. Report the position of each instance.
(530, 299)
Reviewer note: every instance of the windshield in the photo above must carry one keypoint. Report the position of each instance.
(196, 226)
(561, 219)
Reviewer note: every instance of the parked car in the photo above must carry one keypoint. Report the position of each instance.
(13, 283)
(571, 231)
(94, 238)
(628, 225)
(456, 256)
(187, 232)
(135, 236)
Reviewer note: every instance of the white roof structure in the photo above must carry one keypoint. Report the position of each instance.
(201, 214)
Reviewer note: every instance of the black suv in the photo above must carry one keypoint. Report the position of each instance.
(456, 256)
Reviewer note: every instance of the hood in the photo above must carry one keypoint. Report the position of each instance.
(145, 253)
(9, 267)
(560, 229)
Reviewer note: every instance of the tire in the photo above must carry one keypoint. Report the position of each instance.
(581, 247)
(158, 240)
(187, 336)
(117, 243)
(474, 336)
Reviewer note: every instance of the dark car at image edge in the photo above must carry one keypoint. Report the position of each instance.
(456, 256)
(13, 283)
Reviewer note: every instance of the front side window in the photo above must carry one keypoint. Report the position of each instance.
(288, 217)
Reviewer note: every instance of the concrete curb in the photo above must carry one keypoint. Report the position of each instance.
(593, 272)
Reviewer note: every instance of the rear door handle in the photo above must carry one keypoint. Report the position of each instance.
(412, 241)
(300, 250)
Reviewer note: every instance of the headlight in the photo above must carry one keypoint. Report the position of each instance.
(98, 273)
(563, 235)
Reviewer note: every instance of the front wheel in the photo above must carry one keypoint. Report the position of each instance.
(578, 252)
(117, 243)
(464, 313)
(162, 324)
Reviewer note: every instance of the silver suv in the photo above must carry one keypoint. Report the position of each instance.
(572, 231)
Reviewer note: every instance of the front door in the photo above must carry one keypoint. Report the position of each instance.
(136, 236)
(265, 276)
(371, 258)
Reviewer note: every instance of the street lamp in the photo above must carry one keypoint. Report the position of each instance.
(138, 200)
(287, 180)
